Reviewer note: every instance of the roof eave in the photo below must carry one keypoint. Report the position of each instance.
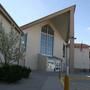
(48, 17)
(9, 18)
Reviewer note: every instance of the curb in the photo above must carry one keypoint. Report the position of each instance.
(73, 78)
(79, 78)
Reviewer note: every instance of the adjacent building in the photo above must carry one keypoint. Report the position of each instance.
(8, 24)
(82, 57)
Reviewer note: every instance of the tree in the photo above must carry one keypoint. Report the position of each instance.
(10, 45)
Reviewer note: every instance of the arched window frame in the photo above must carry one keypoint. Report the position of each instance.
(47, 40)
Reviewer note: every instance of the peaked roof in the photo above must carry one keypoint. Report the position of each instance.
(80, 45)
(48, 17)
(9, 18)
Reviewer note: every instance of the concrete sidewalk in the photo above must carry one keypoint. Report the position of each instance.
(37, 81)
(52, 83)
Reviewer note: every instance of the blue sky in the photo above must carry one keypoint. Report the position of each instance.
(25, 11)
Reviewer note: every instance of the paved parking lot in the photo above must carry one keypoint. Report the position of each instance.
(80, 81)
(37, 81)
(80, 85)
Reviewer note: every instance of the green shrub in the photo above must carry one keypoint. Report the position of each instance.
(13, 73)
(25, 72)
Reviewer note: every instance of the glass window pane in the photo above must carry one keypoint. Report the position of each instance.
(44, 29)
(47, 40)
(43, 43)
(50, 30)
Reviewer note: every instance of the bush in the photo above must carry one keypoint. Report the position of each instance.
(13, 73)
(25, 72)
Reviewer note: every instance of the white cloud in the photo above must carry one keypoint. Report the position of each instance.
(88, 28)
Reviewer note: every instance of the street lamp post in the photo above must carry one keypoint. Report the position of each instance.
(66, 79)
(67, 62)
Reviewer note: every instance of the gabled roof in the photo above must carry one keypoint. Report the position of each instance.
(9, 18)
(48, 17)
(80, 45)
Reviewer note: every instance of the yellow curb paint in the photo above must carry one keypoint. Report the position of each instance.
(79, 78)
(62, 81)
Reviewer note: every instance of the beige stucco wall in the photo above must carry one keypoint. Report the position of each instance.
(81, 60)
(6, 24)
(8, 27)
(58, 45)
(33, 44)
(42, 62)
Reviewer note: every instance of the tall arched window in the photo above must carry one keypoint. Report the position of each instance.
(47, 40)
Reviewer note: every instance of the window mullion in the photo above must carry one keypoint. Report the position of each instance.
(47, 42)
